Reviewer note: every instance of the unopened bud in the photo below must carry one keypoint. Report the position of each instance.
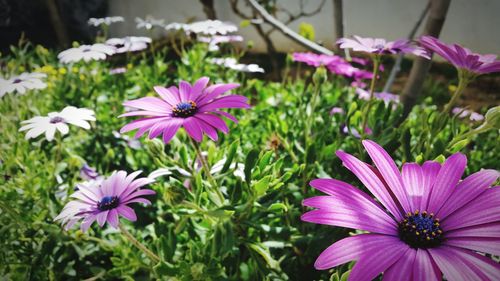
(320, 76)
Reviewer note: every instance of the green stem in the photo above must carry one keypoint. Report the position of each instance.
(206, 169)
(376, 63)
(138, 244)
(463, 80)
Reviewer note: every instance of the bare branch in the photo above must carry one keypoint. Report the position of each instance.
(287, 31)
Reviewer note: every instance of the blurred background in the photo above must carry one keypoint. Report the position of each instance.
(58, 22)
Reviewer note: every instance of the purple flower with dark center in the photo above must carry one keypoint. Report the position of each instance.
(105, 201)
(334, 64)
(196, 108)
(424, 223)
(462, 58)
(380, 46)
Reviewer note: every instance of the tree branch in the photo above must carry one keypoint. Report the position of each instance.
(287, 31)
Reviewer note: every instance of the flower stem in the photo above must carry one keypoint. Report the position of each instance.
(206, 170)
(376, 64)
(138, 244)
(463, 80)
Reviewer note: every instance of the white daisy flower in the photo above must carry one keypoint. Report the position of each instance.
(177, 26)
(25, 81)
(148, 23)
(129, 43)
(86, 53)
(57, 121)
(233, 64)
(214, 41)
(105, 20)
(212, 27)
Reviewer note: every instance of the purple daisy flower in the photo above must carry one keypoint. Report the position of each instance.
(335, 64)
(425, 222)
(380, 46)
(462, 58)
(105, 201)
(193, 107)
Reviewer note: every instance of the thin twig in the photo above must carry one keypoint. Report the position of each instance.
(287, 31)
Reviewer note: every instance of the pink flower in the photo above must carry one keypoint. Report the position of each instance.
(105, 201)
(334, 64)
(386, 97)
(462, 58)
(381, 46)
(463, 113)
(194, 107)
(425, 222)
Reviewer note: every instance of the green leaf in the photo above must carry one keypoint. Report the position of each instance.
(335, 277)
(278, 207)
(345, 275)
(262, 186)
(163, 268)
(265, 159)
(250, 162)
(265, 254)
(230, 156)
(459, 145)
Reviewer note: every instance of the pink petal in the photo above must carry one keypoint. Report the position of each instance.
(140, 192)
(389, 172)
(87, 222)
(490, 245)
(169, 131)
(467, 190)
(227, 115)
(139, 200)
(193, 129)
(101, 217)
(208, 129)
(350, 219)
(483, 230)
(402, 269)
(214, 121)
(483, 209)
(464, 265)
(184, 91)
(149, 104)
(214, 91)
(127, 212)
(413, 180)
(430, 170)
(113, 218)
(424, 267)
(371, 181)
(198, 87)
(144, 122)
(232, 101)
(167, 95)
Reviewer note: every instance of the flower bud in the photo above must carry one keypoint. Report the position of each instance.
(320, 76)
(493, 117)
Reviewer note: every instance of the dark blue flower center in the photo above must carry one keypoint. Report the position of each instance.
(108, 203)
(420, 230)
(56, 119)
(184, 109)
(17, 80)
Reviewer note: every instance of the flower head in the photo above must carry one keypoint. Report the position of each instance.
(462, 58)
(381, 46)
(25, 81)
(385, 96)
(463, 113)
(57, 121)
(424, 223)
(129, 43)
(105, 20)
(177, 26)
(148, 23)
(105, 201)
(88, 173)
(233, 64)
(86, 53)
(194, 107)
(212, 27)
(335, 64)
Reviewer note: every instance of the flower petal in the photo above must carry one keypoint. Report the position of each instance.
(193, 129)
(424, 268)
(490, 245)
(127, 212)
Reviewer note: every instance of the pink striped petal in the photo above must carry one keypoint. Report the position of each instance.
(483, 230)
(446, 181)
(402, 269)
(371, 181)
(214, 91)
(198, 87)
(149, 104)
(467, 190)
(389, 172)
(232, 101)
(87, 222)
(430, 170)
(127, 212)
(101, 217)
(145, 113)
(208, 129)
(167, 95)
(193, 129)
(140, 192)
(143, 122)
(424, 268)
(171, 129)
(184, 91)
(413, 180)
(113, 218)
(490, 245)
(214, 121)
(227, 115)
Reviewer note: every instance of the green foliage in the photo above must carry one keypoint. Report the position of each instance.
(256, 234)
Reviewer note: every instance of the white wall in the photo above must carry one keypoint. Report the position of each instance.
(474, 24)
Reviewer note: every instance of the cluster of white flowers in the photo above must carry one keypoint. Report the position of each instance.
(129, 43)
(206, 27)
(23, 82)
(58, 121)
(105, 20)
(232, 63)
